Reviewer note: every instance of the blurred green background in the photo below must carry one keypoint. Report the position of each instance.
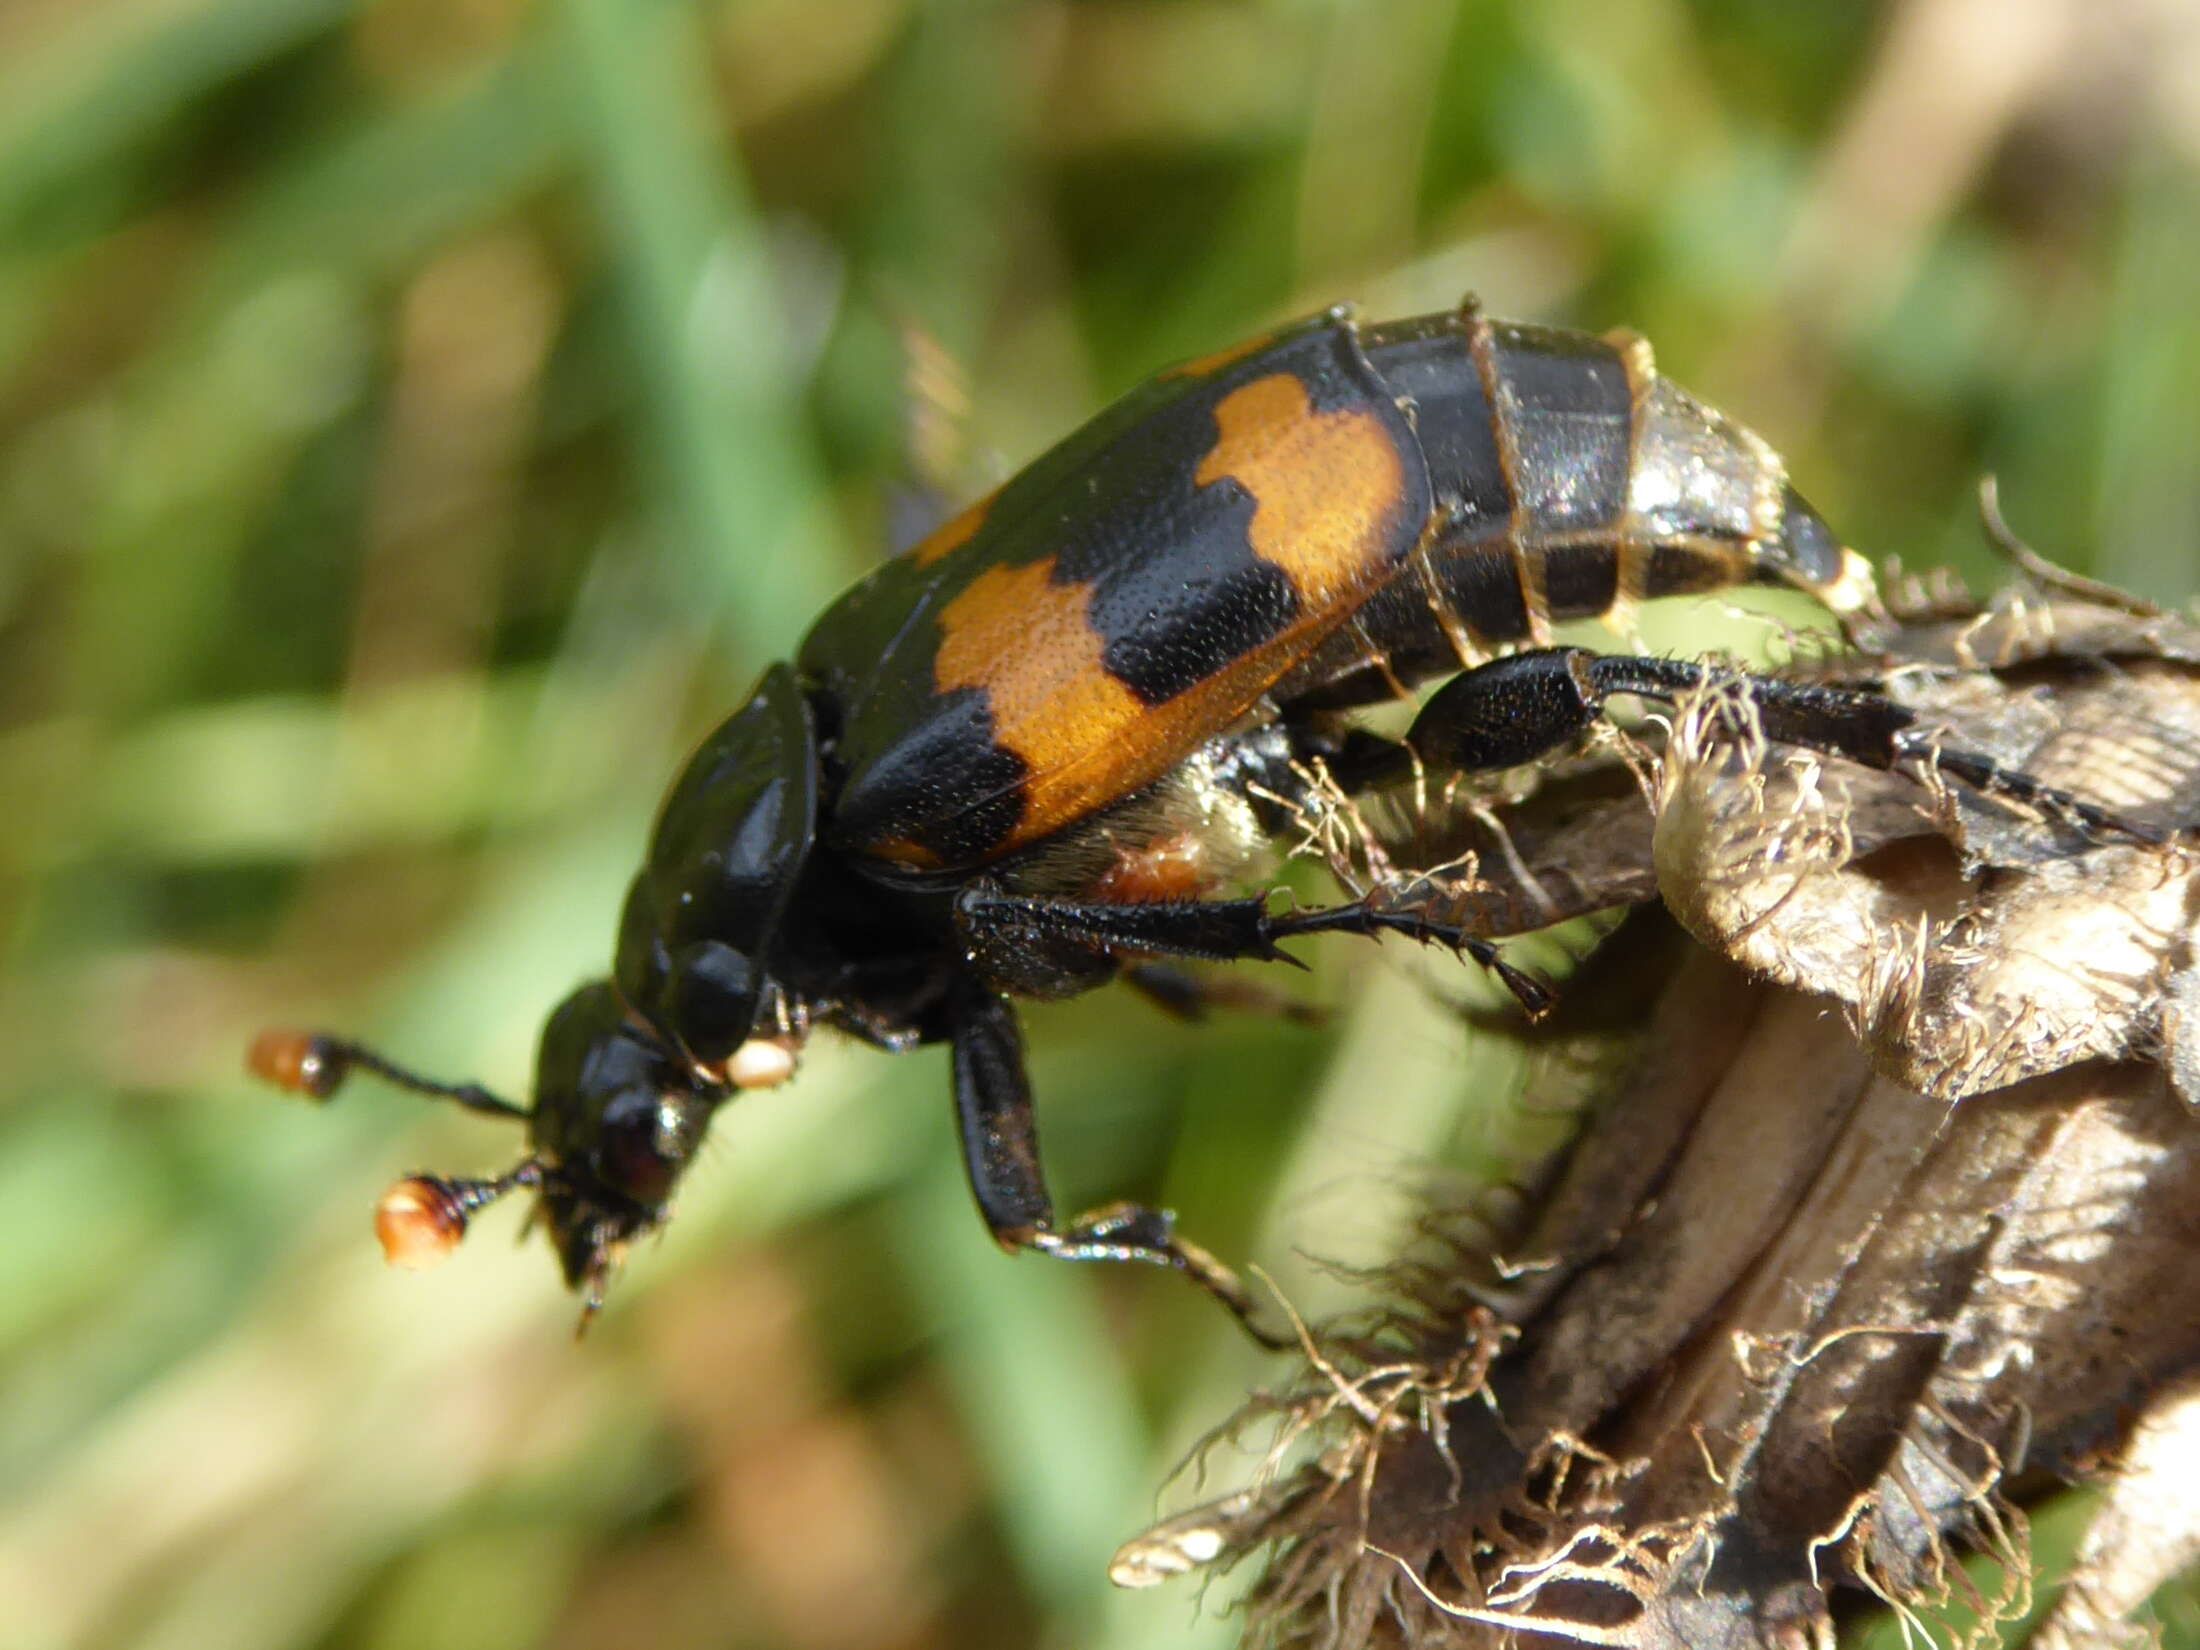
(420, 419)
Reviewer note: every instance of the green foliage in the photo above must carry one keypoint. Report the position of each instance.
(420, 419)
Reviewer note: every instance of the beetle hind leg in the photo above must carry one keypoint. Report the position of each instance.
(1516, 709)
(1000, 1142)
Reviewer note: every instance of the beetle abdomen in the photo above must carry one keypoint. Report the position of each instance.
(1572, 481)
(1600, 481)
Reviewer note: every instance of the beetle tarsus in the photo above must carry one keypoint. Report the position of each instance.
(1389, 912)
(1133, 1232)
(1991, 779)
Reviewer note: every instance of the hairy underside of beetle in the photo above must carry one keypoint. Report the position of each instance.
(1887, 1224)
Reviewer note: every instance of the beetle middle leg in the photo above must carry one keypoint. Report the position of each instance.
(1517, 709)
(1000, 1142)
(993, 922)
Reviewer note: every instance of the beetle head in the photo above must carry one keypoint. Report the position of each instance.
(630, 1069)
(617, 1119)
(618, 1116)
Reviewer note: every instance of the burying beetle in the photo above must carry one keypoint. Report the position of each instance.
(1017, 761)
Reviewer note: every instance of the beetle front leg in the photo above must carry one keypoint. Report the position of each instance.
(1000, 1142)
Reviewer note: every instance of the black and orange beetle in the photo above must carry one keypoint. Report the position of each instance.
(1027, 756)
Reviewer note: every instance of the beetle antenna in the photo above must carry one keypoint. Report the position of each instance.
(316, 1065)
(422, 1218)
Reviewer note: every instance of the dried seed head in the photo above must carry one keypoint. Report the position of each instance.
(1779, 1250)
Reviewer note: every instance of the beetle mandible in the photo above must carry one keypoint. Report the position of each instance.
(1028, 755)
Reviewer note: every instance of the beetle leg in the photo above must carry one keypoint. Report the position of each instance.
(1392, 911)
(1000, 1141)
(1361, 760)
(1217, 930)
(1516, 709)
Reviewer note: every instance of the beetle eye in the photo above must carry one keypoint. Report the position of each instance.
(639, 1151)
